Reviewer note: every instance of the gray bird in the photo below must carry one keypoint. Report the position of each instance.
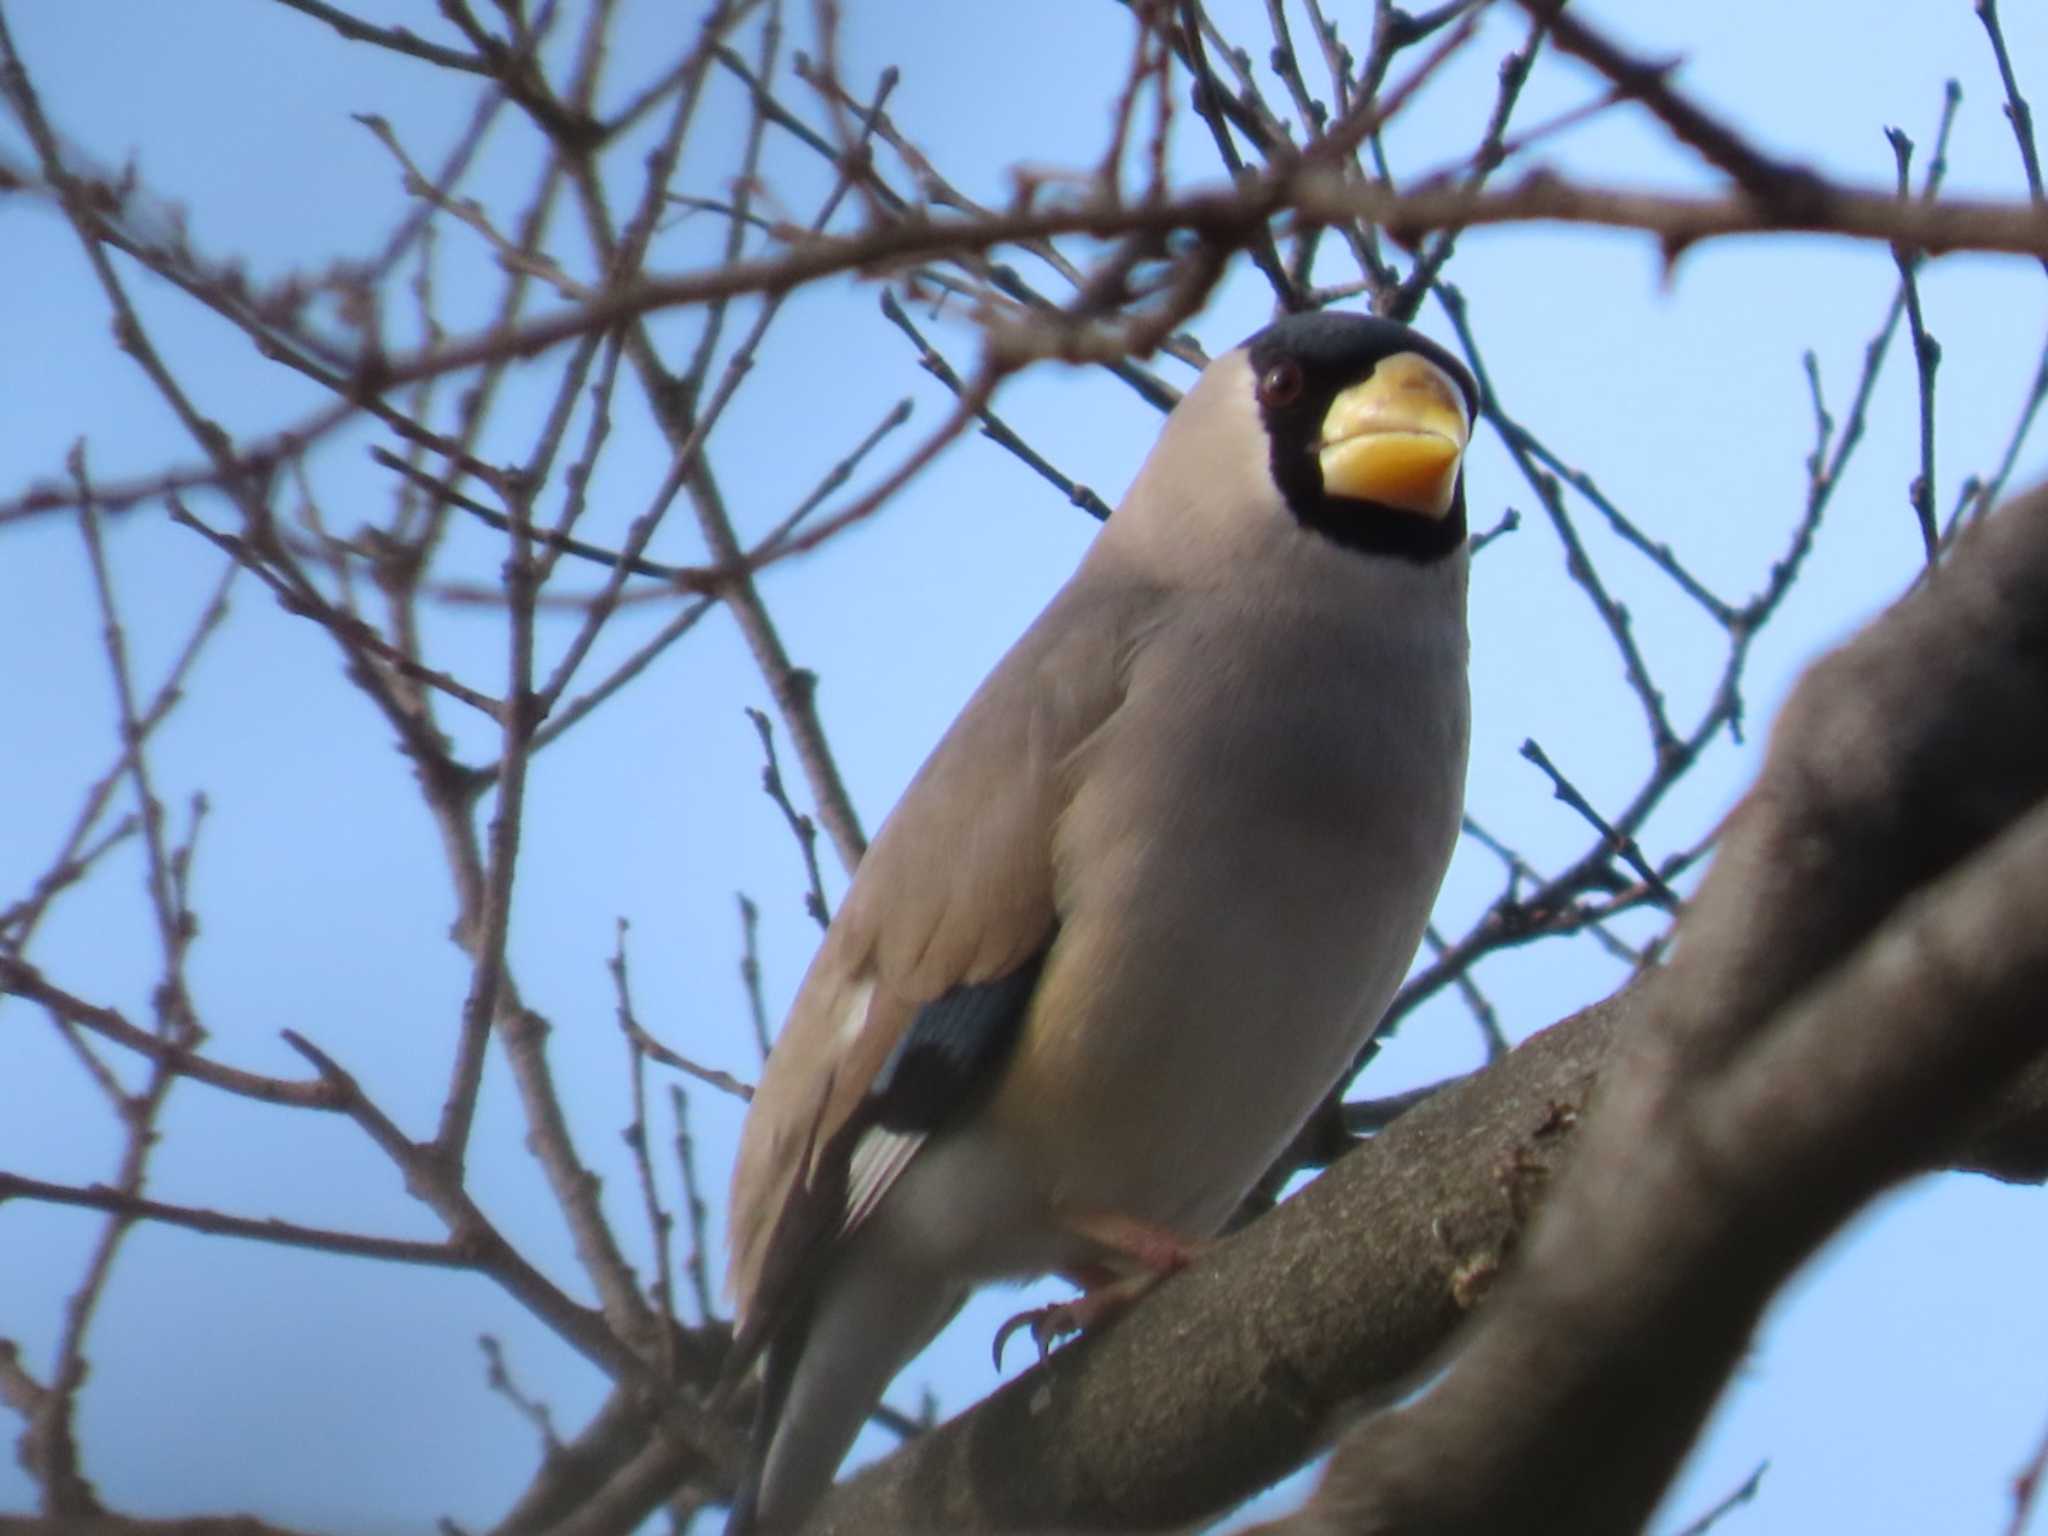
(1143, 903)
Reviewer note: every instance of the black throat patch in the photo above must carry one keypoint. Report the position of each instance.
(1334, 351)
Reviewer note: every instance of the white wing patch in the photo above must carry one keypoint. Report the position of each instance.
(855, 1018)
(878, 1158)
(880, 1155)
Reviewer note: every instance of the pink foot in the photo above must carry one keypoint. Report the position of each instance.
(1148, 1254)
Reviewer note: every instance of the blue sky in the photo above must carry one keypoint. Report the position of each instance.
(1899, 1383)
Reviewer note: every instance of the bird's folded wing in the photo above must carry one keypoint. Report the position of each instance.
(954, 899)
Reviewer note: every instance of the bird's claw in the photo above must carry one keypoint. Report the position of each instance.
(1105, 1292)
(1048, 1326)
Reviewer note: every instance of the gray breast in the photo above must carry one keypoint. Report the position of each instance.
(1247, 867)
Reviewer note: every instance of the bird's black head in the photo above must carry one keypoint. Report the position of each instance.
(1367, 422)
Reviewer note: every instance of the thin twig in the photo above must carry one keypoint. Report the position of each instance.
(659, 1223)
(1405, 300)
(498, 1377)
(288, 1234)
(469, 1229)
(1492, 1037)
(696, 1211)
(1926, 357)
(668, 1056)
(2026, 1489)
(2017, 113)
(396, 39)
(20, 979)
(801, 827)
(1621, 842)
(1743, 1494)
(993, 426)
(750, 970)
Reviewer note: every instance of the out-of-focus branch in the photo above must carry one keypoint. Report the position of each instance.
(289, 1234)
(1772, 182)
(498, 1376)
(105, 1524)
(1676, 221)
(1740, 1496)
(2017, 112)
(1404, 300)
(23, 979)
(1226, 217)
(801, 827)
(401, 40)
(76, 854)
(1926, 350)
(993, 426)
(660, 1224)
(434, 1185)
(696, 1211)
(48, 1449)
(685, 428)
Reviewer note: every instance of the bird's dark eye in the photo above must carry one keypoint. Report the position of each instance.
(1280, 385)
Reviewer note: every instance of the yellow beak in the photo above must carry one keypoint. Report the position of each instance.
(1398, 438)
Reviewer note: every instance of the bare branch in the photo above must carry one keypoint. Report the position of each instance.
(20, 979)
(468, 1228)
(499, 1378)
(1620, 842)
(801, 827)
(396, 39)
(992, 426)
(2017, 112)
(288, 1234)
(697, 1263)
(1743, 1494)
(659, 1223)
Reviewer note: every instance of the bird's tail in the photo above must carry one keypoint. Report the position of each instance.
(823, 1373)
(777, 1362)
